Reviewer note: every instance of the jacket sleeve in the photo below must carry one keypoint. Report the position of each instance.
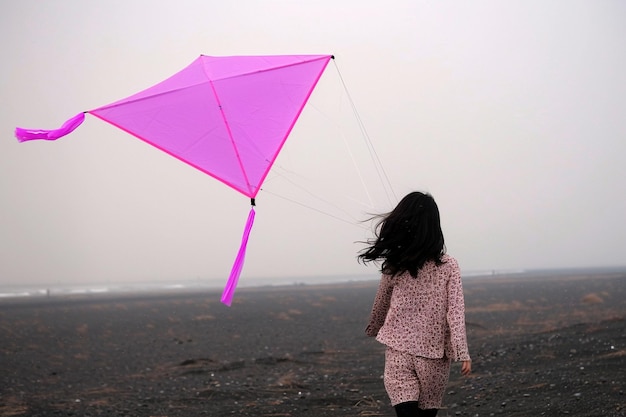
(456, 316)
(381, 306)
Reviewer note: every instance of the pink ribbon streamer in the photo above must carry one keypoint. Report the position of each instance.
(68, 127)
(233, 279)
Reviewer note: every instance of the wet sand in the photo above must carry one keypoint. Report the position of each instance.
(542, 344)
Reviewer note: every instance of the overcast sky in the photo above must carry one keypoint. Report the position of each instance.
(511, 113)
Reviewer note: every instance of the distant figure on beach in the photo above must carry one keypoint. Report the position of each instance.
(419, 310)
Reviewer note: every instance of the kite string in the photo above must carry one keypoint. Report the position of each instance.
(286, 178)
(350, 153)
(354, 222)
(380, 170)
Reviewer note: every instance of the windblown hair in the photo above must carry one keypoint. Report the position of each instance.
(407, 237)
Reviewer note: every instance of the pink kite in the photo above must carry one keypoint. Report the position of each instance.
(226, 116)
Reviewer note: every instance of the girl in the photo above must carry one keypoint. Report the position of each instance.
(418, 312)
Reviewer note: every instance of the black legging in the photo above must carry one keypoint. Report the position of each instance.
(410, 409)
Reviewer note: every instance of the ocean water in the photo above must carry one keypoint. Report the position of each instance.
(57, 290)
(9, 292)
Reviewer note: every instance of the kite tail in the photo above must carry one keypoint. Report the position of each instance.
(231, 285)
(68, 127)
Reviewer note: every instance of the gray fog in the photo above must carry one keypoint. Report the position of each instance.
(511, 114)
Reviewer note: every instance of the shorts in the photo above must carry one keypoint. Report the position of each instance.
(414, 378)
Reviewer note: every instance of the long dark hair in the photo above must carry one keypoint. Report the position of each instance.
(407, 237)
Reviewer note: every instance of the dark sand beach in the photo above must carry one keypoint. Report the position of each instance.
(546, 344)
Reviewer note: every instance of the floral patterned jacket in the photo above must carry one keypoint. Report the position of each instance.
(424, 316)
